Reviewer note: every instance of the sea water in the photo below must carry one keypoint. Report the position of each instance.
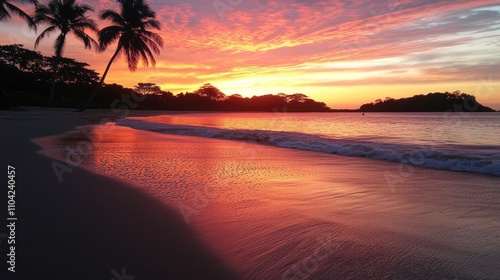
(458, 141)
(272, 209)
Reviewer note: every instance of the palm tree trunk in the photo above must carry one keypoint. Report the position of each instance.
(96, 91)
(53, 83)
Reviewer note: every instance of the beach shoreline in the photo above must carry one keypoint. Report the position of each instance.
(89, 226)
(267, 211)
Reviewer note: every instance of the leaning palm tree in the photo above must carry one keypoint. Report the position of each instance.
(67, 16)
(6, 8)
(130, 28)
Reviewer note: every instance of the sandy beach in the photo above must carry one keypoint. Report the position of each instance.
(90, 226)
(249, 140)
(179, 207)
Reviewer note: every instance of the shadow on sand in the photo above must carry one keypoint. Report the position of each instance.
(91, 226)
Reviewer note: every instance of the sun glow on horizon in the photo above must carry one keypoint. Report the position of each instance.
(342, 54)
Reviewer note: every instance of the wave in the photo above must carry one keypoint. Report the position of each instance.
(474, 159)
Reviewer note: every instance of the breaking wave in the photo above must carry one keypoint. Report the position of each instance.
(474, 159)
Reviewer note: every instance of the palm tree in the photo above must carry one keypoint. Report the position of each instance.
(68, 17)
(130, 28)
(6, 7)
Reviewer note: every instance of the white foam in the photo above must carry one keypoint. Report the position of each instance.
(459, 158)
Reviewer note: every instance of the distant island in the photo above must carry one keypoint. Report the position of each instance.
(25, 80)
(432, 102)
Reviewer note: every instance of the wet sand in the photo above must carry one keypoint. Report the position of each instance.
(176, 207)
(90, 226)
(272, 213)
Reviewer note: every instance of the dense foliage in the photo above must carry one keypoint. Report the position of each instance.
(25, 76)
(39, 68)
(200, 101)
(432, 102)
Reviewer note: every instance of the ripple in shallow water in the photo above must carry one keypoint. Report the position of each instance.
(284, 214)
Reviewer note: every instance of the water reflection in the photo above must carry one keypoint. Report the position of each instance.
(274, 213)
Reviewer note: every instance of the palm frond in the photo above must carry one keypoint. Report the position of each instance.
(34, 2)
(43, 14)
(147, 55)
(132, 59)
(152, 45)
(108, 35)
(20, 13)
(44, 33)
(85, 23)
(68, 17)
(85, 8)
(157, 39)
(88, 41)
(131, 27)
(4, 14)
(152, 23)
(113, 16)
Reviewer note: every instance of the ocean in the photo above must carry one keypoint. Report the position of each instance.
(315, 195)
(467, 142)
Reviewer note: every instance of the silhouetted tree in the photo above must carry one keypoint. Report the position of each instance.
(267, 102)
(26, 73)
(74, 72)
(28, 61)
(68, 17)
(298, 97)
(24, 59)
(235, 102)
(299, 102)
(130, 27)
(210, 91)
(432, 102)
(166, 95)
(147, 88)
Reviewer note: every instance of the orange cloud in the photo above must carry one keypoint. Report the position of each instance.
(311, 46)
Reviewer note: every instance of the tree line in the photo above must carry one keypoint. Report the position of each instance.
(130, 29)
(210, 98)
(27, 75)
(432, 102)
(36, 67)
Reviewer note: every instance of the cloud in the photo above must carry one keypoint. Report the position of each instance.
(426, 41)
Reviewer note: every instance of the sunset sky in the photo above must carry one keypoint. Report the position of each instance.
(344, 53)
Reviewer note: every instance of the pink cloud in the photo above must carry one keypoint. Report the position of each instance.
(279, 35)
